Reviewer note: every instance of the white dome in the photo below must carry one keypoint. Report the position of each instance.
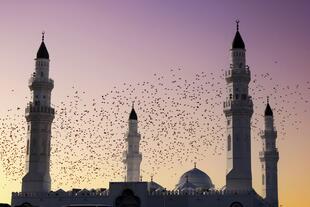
(153, 186)
(196, 177)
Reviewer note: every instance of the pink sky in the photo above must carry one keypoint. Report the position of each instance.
(97, 45)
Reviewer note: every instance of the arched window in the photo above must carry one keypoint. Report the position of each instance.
(236, 204)
(25, 205)
(263, 179)
(127, 199)
(229, 143)
(27, 150)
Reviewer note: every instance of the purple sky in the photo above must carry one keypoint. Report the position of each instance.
(101, 44)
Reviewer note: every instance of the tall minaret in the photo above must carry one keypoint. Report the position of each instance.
(132, 156)
(39, 116)
(238, 109)
(269, 158)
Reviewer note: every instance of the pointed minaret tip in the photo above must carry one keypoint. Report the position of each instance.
(43, 33)
(238, 41)
(133, 114)
(237, 24)
(268, 110)
(42, 52)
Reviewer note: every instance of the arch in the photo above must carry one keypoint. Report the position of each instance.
(263, 179)
(26, 204)
(127, 199)
(27, 150)
(229, 143)
(236, 204)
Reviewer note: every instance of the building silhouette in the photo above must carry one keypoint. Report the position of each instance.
(195, 187)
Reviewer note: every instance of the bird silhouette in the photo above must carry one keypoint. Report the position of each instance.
(181, 121)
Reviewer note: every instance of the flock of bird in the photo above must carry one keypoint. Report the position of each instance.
(180, 120)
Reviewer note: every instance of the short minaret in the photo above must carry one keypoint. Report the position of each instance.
(132, 156)
(269, 158)
(238, 109)
(39, 116)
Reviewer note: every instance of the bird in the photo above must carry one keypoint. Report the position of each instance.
(181, 121)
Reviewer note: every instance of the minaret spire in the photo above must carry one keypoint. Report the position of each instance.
(237, 24)
(268, 110)
(39, 116)
(42, 52)
(133, 114)
(132, 156)
(269, 157)
(238, 41)
(43, 36)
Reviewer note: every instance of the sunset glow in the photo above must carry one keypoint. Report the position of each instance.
(169, 57)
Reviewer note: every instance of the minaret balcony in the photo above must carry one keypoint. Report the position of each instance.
(133, 155)
(238, 74)
(268, 133)
(273, 154)
(39, 109)
(35, 82)
(238, 105)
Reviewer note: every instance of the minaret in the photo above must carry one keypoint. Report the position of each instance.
(238, 109)
(39, 116)
(269, 158)
(132, 156)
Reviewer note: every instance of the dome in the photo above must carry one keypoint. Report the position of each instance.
(153, 186)
(187, 186)
(197, 178)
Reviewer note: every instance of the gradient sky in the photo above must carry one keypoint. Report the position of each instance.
(97, 45)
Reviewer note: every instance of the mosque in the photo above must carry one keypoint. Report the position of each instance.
(195, 187)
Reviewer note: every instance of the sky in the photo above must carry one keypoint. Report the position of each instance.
(96, 46)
